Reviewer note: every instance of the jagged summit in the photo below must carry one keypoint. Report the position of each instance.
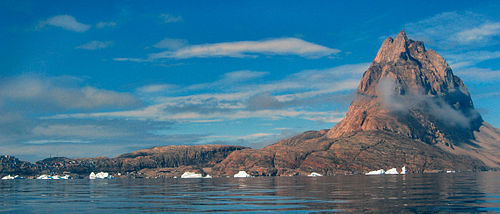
(412, 66)
(393, 49)
(411, 91)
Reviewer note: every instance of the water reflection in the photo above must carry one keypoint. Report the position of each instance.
(469, 192)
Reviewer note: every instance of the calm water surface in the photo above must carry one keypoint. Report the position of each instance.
(461, 192)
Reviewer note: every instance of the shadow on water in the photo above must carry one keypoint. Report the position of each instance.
(461, 192)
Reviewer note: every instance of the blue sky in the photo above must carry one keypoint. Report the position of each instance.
(93, 78)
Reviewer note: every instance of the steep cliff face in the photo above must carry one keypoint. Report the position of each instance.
(412, 91)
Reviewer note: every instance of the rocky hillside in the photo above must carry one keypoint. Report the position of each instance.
(194, 157)
(14, 166)
(410, 110)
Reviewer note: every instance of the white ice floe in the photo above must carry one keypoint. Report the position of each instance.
(403, 170)
(314, 174)
(376, 172)
(242, 174)
(44, 177)
(53, 177)
(100, 175)
(208, 176)
(392, 171)
(191, 175)
(9, 177)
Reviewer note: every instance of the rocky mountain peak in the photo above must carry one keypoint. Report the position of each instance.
(412, 67)
(411, 91)
(393, 49)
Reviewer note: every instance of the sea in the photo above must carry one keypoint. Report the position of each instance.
(411, 193)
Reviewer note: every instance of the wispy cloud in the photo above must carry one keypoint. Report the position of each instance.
(453, 29)
(291, 97)
(95, 45)
(480, 74)
(38, 93)
(479, 34)
(168, 18)
(172, 44)
(56, 141)
(466, 59)
(282, 46)
(228, 79)
(66, 22)
(128, 59)
(154, 88)
(105, 24)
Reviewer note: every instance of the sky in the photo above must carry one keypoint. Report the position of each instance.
(93, 78)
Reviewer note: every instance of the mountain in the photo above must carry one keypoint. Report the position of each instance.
(413, 92)
(410, 110)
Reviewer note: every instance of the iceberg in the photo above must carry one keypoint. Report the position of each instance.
(44, 177)
(242, 174)
(100, 175)
(392, 171)
(376, 172)
(403, 170)
(66, 177)
(53, 177)
(314, 174)
(9, 177)
(191, 175)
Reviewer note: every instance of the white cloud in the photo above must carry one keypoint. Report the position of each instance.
(127, 59)
(229, 79)
(243, 75)
(38, 93)
(95, 45)
(40, 142)
(467, 59)
(168, 18)
(155, 88)
(282, 46)
(66, 22)
(479, 74)
(454, 29)
(291, 97)
(256, 135)
(172, 44)
(479, 34)
(77, 131)
(105, 24)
